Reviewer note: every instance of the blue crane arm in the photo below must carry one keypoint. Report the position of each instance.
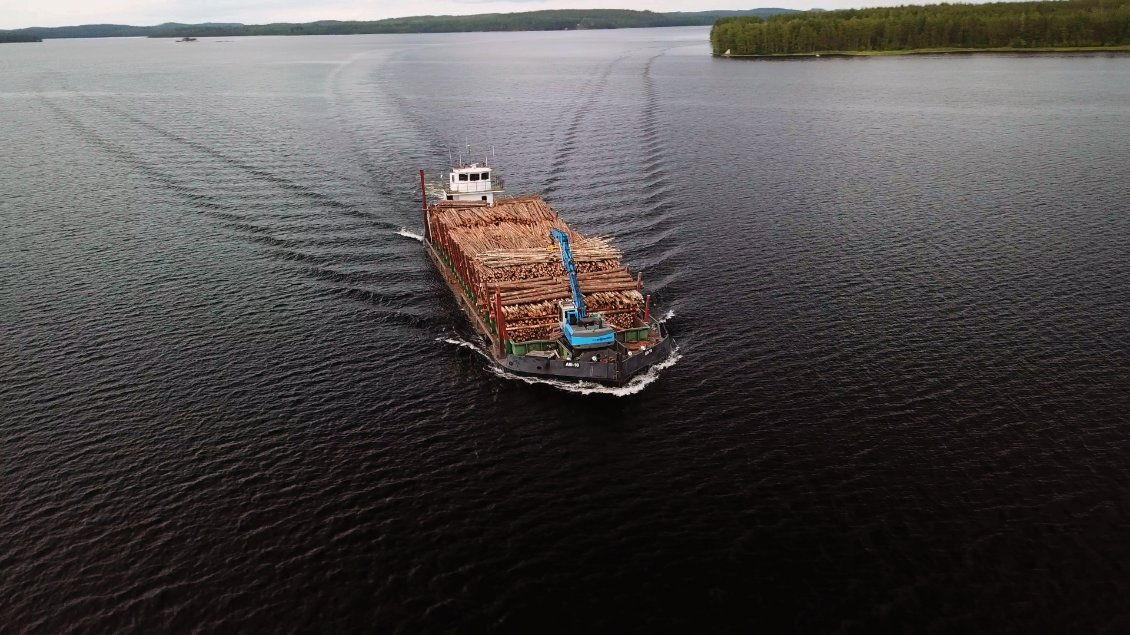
(571, 267)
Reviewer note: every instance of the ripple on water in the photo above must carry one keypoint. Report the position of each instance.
(236, 396)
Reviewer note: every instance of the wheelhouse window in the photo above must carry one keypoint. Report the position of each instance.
(475, 177)
(486, 176)
(462, 177)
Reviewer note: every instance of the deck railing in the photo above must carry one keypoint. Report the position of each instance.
(472, 187)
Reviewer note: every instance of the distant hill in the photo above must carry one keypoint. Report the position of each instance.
(107, 30)
(6, 37)
(569, 19)
(710, 17)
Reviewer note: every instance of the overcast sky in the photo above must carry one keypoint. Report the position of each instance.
(16, 14)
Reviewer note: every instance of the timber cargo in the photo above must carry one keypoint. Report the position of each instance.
(548, 300)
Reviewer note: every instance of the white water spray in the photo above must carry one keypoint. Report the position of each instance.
(403, 231)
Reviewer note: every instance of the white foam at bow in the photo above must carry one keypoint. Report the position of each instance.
(463, 344)
(635, 385)
(403, 231)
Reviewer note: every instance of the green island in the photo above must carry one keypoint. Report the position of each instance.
(1053, 26)
(550, 20)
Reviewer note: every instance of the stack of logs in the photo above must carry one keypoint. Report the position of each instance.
(506, 251)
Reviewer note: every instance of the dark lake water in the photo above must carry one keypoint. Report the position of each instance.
(236, 396)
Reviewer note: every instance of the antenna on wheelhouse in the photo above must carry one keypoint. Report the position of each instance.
(472, 181)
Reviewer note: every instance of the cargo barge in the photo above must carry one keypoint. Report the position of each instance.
(549, 301)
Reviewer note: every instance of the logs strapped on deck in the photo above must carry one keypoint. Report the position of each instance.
(506, 257)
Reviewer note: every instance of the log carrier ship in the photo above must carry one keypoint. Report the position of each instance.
(550, 301)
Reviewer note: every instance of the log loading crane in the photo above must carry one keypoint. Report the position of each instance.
(582, 331)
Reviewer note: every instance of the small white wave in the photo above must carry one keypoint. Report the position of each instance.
(667, 316)
(403, 231)
(465, 344)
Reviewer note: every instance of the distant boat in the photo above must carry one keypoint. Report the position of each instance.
(187, 39)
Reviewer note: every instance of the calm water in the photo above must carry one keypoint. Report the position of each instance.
(235, 396)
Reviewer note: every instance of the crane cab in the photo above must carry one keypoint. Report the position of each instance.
(585, 333)
(568, 313)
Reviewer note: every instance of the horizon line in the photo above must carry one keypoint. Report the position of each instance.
(401, 17)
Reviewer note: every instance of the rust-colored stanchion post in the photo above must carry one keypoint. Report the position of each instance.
(647, 310)
(500, 320)
(424, 206)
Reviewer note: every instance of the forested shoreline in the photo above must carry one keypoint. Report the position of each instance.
(550, 20)
(18, 37)
(1020, 26)
(527, 21)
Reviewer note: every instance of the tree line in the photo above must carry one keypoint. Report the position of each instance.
(551, 20)
(1019, 25)
(18, 37)
(531, 21)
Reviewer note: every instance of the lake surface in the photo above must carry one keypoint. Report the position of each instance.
(236, 396)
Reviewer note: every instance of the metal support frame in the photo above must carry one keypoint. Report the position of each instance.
(424, 205)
